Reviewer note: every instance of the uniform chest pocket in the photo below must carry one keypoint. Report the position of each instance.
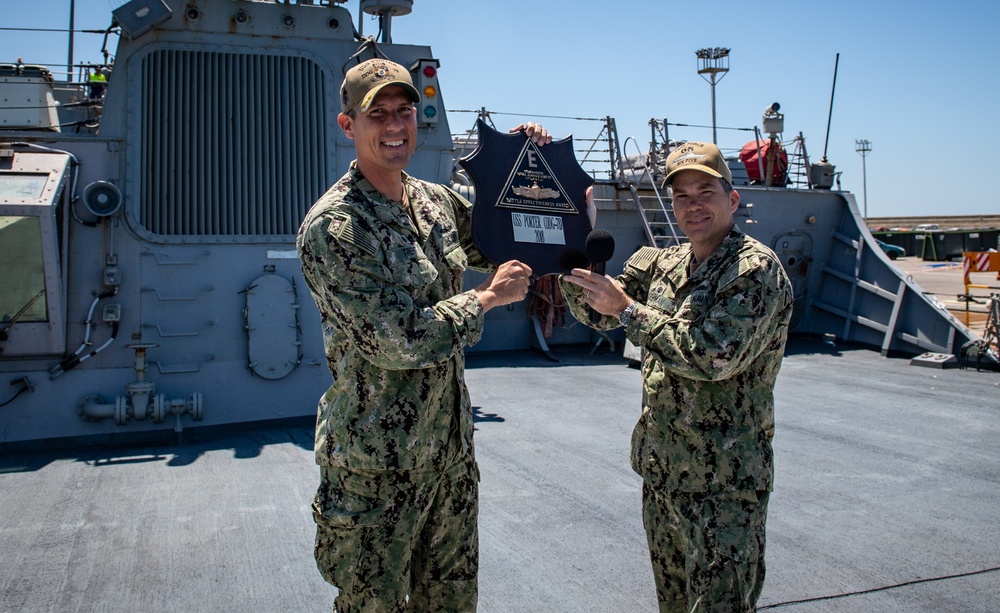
(410, 267)
(661, 297)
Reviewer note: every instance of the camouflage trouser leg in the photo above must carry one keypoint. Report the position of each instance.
(399, 540)
(707, 550)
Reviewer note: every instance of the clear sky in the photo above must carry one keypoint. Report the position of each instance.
(919, 79)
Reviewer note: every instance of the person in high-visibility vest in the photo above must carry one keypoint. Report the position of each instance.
(97, 82)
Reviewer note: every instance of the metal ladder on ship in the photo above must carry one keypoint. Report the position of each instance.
(656, 213)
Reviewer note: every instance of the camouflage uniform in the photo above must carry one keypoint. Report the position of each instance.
(713, 342)
(397, 503)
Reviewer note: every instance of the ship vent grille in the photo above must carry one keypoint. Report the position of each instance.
(232, 144)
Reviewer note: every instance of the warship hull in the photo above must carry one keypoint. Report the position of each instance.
(148, 233)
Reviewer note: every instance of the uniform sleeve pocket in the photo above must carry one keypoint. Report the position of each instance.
(457, 258)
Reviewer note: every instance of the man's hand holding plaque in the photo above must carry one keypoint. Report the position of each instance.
(530, 201)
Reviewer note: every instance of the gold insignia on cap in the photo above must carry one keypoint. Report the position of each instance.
(690, 156)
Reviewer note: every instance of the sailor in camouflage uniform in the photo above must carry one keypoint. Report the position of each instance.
(711, 317)
(383, 254)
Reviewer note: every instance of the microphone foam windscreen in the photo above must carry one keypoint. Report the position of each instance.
(600, 246)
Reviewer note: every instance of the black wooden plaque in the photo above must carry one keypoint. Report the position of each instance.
(530, 201)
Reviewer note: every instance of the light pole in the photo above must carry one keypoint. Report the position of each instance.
(713, 62)
(72, 25)
(864, 147)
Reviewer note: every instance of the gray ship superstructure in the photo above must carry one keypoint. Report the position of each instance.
(147, 235)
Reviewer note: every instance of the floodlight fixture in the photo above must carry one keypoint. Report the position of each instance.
(864, 147)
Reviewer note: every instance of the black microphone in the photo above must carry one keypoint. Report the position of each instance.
(600, 247)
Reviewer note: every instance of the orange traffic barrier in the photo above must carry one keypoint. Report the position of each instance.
(980, 261)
